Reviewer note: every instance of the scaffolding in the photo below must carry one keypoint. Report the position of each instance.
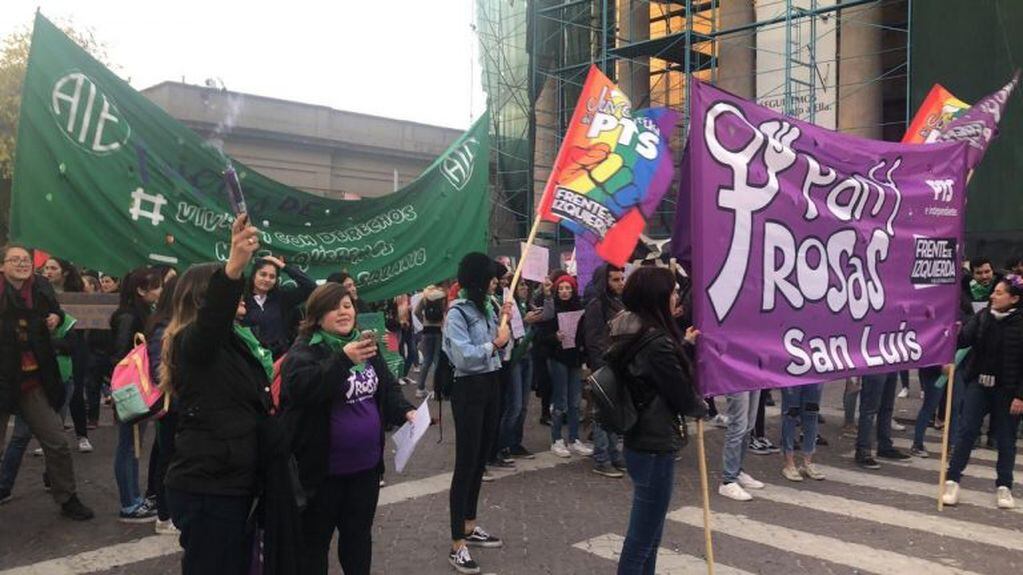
(802, 57)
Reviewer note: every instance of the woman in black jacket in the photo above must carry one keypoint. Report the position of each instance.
(646, 349)
(994, 376)
(141, 290)
(271, 311)
(222, 384)
(338, 394)
(563, 364)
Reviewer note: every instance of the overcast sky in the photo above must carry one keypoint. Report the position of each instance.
(409, 59)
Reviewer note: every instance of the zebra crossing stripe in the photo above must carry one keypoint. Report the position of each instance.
(979, 454)
(907, 487)
(854, 555)
(609, 546)
(939, 525)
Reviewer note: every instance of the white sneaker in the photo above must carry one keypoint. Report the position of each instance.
(581, 448)
(903, 393)
(951, 495)
(84, 446)
(558, 448)
(720, 421)
(747, 482)
(166, 528)
(791, 473)
(1004, 496)
(734, 491)
(812, 471)
(896, 426)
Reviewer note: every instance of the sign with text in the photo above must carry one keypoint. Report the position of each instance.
(821, 255)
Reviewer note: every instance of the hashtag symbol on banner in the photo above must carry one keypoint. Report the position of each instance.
(155, 205)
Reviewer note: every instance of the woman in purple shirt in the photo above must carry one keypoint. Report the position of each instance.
(337, 394)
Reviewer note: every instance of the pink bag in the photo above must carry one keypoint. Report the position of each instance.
(135, 396)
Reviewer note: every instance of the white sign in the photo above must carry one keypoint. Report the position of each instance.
(568, 325)
(518, 328)
(535, 263)
(408, 436)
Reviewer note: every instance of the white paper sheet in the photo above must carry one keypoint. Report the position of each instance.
(408, 436)
(536, 265)
(568, 324)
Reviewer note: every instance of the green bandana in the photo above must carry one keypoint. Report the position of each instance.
(258, 351)
(980, 292)
(336, 343)
(64, 363)
(487, 301)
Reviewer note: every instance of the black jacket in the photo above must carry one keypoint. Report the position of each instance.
(223, 398)
(312, 377)
(274, 323)
(599, 310)
(12, 310)
(547, 331)
(997, 349)
(660, 379)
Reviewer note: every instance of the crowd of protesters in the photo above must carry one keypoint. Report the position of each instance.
(278, 400)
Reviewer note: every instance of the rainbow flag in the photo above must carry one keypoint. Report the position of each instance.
(612, 170)
(936, 112)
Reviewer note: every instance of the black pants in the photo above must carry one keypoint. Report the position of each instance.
(758, 427)
(165, 430)
(346, 503)
(475, 403)
(214, 532)
(504, 380)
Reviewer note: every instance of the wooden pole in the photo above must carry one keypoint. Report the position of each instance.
(522, 259)
(702, 454)
(944, 434)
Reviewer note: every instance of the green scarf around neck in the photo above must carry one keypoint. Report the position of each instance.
(336, 342)
(258, 351)
(488, 303)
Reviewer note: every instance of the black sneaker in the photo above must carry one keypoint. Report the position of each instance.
(620, 466)
(769, 445)
(141, 514)
(505, 456)
(919, 452)
(75, 510)
(756, 446)
(5, 496)
(521, 452)
(500, 463)
(46, 482)
(480, 538)
(462, 561)
(607, 470)
(867, 461)
(892, 453)
(821, 441)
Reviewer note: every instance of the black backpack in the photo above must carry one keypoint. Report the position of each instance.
(433, 310)
(609, 390)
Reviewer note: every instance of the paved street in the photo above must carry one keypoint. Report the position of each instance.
(557, 517)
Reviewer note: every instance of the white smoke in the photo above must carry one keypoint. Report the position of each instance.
(230, 105)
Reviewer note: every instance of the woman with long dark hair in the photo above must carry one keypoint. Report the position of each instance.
(222, 386)
(271, 311)
(339, 393)
(140, 291)
(163, 445)
(473, 339)
(994, 376)
(647, 350)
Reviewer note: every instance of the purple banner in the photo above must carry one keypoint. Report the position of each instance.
(816, 255)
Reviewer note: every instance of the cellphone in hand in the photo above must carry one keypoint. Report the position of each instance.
(368, 334)
(234, 192)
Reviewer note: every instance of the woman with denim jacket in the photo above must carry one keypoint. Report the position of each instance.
(473, 339)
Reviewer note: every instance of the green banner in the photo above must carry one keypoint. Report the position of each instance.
(107, 179)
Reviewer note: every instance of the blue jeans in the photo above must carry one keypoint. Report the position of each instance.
(431, 349)
(14, 453)
(126, 466)
(653, 475)
(849, 397)
(605, 446)
(516, 400)
(800, 405)
(407, 349)
(741, 409)
(979, 402)
(932, 398)
(566, 393)
(877, 401)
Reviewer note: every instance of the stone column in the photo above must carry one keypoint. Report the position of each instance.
(634, 74)
(737, 52)
(860, 97)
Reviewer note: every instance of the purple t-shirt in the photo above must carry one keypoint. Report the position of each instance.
(355, 425)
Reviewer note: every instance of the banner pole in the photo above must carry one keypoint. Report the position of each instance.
(522, 259)
(702, 454)
(944, 434)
